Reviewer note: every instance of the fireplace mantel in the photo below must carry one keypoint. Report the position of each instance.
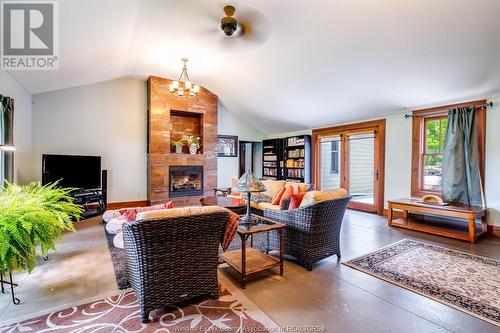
(162, 128)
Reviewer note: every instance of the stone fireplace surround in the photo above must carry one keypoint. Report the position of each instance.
(168, 118)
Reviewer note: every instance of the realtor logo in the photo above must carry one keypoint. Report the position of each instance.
(30, 34)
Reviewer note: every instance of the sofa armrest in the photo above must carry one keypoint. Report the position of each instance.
(297, 218)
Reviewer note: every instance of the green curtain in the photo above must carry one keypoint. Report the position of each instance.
(6, 138)
(461, 181)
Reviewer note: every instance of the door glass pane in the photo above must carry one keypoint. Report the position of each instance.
(361, 167)
(330, 165)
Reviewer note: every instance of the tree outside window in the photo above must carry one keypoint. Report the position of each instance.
(432, 157)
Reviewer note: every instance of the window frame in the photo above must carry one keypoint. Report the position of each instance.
(420, 117)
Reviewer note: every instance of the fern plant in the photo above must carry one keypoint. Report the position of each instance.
(32, 216)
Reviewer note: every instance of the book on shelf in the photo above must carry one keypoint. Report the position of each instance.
(295, 141)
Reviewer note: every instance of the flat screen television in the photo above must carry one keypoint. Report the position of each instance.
(83, 172)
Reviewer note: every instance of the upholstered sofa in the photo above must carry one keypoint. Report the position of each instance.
(268, 199)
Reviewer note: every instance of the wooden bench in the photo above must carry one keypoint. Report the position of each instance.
(439, 220)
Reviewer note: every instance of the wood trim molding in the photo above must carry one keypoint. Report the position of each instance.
(494, 230)
(127, 204)
(417, 147)
(379, 127)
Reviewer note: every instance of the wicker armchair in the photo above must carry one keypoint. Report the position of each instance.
(313, 231)
(173, 259)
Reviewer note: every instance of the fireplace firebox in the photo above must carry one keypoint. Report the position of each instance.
(185, 180)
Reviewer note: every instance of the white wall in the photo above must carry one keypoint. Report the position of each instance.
(231, 124)
(22, 126)
(106, 119)
(492, 186)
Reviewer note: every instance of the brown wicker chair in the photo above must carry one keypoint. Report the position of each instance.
(173, 259)
(313, 231)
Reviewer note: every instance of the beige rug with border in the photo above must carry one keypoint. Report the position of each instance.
(464, 281)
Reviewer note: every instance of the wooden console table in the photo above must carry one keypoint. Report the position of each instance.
(418, 216)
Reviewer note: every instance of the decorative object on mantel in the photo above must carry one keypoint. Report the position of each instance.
(227, 146)
(248, 183)
(183, 86)
(464, 281)
(178, 146)
(193, 142)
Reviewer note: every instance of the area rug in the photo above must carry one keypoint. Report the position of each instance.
(232, 312)
(464, 281)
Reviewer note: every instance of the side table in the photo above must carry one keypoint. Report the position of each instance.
(247, 261)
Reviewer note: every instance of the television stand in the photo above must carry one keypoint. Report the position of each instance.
(93, 201)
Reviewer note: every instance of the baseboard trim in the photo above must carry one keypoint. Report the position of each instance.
(127, 204)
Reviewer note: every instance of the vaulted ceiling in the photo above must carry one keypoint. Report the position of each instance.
(314, 63)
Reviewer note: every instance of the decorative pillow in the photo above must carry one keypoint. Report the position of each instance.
(277, 198)
(289, 190)
(302, 187)
(118, 240)
(260, 197)
(318, 196)
(114, 225)
(131, 213)
(273, 187)
(296, 200)
(110, 214)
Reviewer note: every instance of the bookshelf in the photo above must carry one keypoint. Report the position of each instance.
(287, 158)
(297, 159)
(272, 159)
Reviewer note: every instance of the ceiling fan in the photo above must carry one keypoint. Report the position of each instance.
(240, 29)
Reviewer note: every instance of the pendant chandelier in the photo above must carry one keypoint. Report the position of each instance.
(183, 86)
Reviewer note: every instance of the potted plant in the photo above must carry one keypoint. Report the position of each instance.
(193, 142)
(178, 145)
(32, 216)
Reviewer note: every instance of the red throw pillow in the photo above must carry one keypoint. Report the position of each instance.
(290, 189)
(169, 205)
(131, 213)
(277, 197)
(296, 200)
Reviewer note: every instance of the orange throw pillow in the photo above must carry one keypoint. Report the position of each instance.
(296, 200)
(277, 198)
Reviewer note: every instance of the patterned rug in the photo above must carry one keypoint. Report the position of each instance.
(232, 312)
(466, 282)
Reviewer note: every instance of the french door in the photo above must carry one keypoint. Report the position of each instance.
(352, 157)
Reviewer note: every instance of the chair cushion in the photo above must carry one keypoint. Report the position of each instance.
(312, 197)
(131, 213)
(273, 187)
(296, 200)
(268, 205)
(118, 240)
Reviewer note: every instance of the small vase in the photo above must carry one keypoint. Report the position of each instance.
(178, 149)
(193, 148)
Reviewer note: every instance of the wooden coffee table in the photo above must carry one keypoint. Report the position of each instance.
(236, 205)
(248, 261)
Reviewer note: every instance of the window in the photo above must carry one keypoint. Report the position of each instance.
(429, 132)
(432, 154)
(334, 169)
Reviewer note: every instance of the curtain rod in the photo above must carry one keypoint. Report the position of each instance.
(487, 105)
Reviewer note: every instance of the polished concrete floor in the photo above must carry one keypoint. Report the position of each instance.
(332, 296)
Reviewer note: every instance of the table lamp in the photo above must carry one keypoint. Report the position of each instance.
(248, 184)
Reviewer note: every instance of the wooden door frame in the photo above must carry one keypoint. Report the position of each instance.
(379, 160)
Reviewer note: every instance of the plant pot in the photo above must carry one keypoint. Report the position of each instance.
(193, 149)
(178, 149)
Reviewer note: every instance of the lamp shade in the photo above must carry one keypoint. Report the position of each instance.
(249, 183)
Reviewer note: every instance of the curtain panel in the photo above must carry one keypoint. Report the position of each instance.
(6, 138)
(461, 180)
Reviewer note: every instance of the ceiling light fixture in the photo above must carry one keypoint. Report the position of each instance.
(183, 86)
